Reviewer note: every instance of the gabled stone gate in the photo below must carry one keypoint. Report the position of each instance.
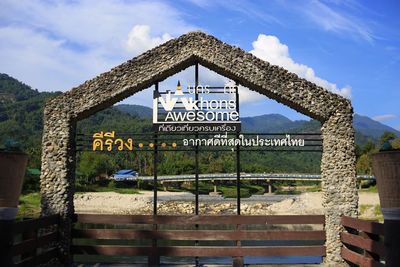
(333, 111)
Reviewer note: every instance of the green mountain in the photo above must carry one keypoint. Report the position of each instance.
(12, 90)
(370, 127)
(136, 110)
(21, 111)
(269, 123)
(21, 116)
(366, 128)
(112, 119)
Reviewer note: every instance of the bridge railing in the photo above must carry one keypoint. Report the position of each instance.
(196, 236)
(249, 176)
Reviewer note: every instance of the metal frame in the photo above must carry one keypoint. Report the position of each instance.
(237, 157)
(158, 137)
(315, 145)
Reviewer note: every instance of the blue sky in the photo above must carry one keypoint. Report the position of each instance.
(347, 46)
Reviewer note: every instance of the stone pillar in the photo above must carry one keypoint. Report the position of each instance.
(58, 173)
(339, 184)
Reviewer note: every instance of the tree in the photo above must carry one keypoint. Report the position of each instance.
(35, 155)
(364, 164)
(368, 147)
(387, 136)
(396, 143)
(92, 165)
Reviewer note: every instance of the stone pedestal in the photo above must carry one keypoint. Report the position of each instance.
(386, 166)
(12, 172)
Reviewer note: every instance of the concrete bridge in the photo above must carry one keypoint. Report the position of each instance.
(267, 177)
(245, 176)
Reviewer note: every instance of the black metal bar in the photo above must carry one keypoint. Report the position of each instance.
(155, 160)
(187, 93)
(160, 139)
(155, 167)
(282, 133)
(89, 135)
(212, 150)
(155, 260)
(222, 148)
(196, 83)
(237, 157)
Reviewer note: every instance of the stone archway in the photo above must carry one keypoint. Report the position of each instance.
(333, 111)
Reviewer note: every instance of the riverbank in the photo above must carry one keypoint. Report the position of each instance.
(183, 203)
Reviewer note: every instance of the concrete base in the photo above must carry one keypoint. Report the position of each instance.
(188, 265)
(8, 213)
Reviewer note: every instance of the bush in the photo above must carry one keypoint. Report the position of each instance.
(31, 184)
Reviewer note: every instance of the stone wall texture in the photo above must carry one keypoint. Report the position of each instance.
(333, 111)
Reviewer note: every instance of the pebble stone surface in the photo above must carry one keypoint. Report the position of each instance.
(333, 111)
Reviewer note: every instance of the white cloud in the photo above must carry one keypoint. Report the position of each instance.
(209, 77)
(269, 48)
(140, 40)
(186, 78)
(384, 117)
(341, 17)
(55, 45)
(247, 96)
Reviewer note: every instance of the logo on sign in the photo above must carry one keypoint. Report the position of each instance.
(196, 106)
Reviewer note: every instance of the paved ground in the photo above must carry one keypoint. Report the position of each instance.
(188, 265)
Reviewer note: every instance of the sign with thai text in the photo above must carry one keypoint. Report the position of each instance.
(200, 108)
(255, 141)
(109, 141)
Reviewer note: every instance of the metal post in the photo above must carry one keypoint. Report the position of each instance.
(155, 161)
(154, 260)
(196, 83)
(196, 208)
(238, 261)
(237, 155)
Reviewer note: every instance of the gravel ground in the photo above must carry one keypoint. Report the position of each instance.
(183, 203)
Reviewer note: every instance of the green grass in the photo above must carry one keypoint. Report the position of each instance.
(316, 188)
(370, 189)
(96, 188)
(108, 186)
(29, 206)
(246, 190)
(377, 213)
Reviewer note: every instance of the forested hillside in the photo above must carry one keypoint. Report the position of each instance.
(21, 109)
(21, 116)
